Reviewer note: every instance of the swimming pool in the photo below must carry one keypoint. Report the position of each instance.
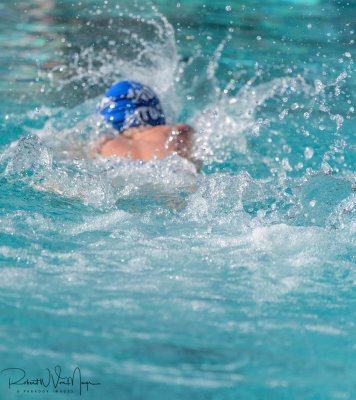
(237, 282)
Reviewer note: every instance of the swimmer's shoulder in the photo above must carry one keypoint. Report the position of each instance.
(115, 145)
(142, 143)
(167, 139)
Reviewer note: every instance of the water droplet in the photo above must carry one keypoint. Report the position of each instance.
(228, 8)
(258, 37)
(341, 77)
(299, 166)
(308, 153)
(285, 164)
(283, 114)
(287, 148)
(318, 86)
(295, 106)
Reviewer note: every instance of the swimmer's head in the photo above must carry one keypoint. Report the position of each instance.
(130, 104)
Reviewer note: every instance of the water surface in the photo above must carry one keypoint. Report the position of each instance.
(237, 282)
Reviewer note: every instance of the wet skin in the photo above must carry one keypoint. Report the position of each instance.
(145, 143)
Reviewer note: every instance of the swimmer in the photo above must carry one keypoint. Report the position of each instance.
(135, 112)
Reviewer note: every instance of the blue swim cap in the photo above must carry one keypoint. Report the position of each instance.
(129, 104)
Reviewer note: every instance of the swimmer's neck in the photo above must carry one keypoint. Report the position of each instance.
(135, 133)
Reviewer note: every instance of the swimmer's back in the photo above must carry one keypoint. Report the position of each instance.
(144, 144)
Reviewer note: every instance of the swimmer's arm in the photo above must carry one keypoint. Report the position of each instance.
(183, 138)
(184, 130)
(185, 144)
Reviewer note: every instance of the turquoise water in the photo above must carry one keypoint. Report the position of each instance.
(157, 281)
